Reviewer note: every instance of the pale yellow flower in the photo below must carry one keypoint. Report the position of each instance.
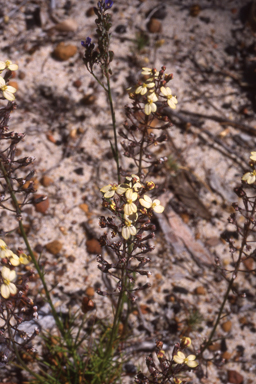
(5, 253)
(185, 341)
(151, 106)
(3, 248)
(2, 244)
(24, 259)
(147, 202)
(8, 288)
(137, 185)
(149, 72)
(177, 381)
(180, 358)
(142, 89)
(150, 185)
(253, 156)
(249, 177)
(135, 177)
(8, 90)
(128, 230)
(130, 207)
(14, 260)
(110, 189)
(8, 64)
(171, 100)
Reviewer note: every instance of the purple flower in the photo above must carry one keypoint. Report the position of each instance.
(87, 42)
(104, 5)
(108, 4)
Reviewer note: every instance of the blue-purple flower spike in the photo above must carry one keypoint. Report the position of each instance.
(87, 42)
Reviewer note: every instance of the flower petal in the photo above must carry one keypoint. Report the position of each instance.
(5, 272)
(8, 95)
(192, 364)
(158, 208)
(5, 292)
(164, 92)
(125, 233)
(147, 109)
(109, 194)
(2, 81)
(12, 288)
(106, 188)
(13, 67)
(12, 275)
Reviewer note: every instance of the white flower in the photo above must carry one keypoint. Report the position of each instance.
(128, 230)
(8, 90)
(253, 156)
(151, 106)
(147, 202)
(110, 189)
(130, 207)
(171, 100)
(180, 358)
(8, 288)
(8, 64)
(142, 89)
(249, 177)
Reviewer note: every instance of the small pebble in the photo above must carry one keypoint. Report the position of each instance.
(200, 291)
(214, 347)
(63, 52)
(154, 26)
(43, 205)
(54, 247)
(235, 377)
(14, 84)
(68, 25)
(84, 207)
(77, 83)
(88, 99)
(46, 181)
(226, 355)
(226, 326)
(93, 246)
(120, 29)
(90, 291)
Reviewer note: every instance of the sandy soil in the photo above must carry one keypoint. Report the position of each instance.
(209, 46)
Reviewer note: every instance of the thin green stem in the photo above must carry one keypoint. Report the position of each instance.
(40, 273)
(114, 125)
(120, 304)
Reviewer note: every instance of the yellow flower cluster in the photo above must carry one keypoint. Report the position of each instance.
(131, 190)
(180, 358)
(149, 86)
(8, 288)
(250, 177)
(8, 90)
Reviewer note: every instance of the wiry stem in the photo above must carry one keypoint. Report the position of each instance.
(245, 235)
(114, 126)
(40, 273)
